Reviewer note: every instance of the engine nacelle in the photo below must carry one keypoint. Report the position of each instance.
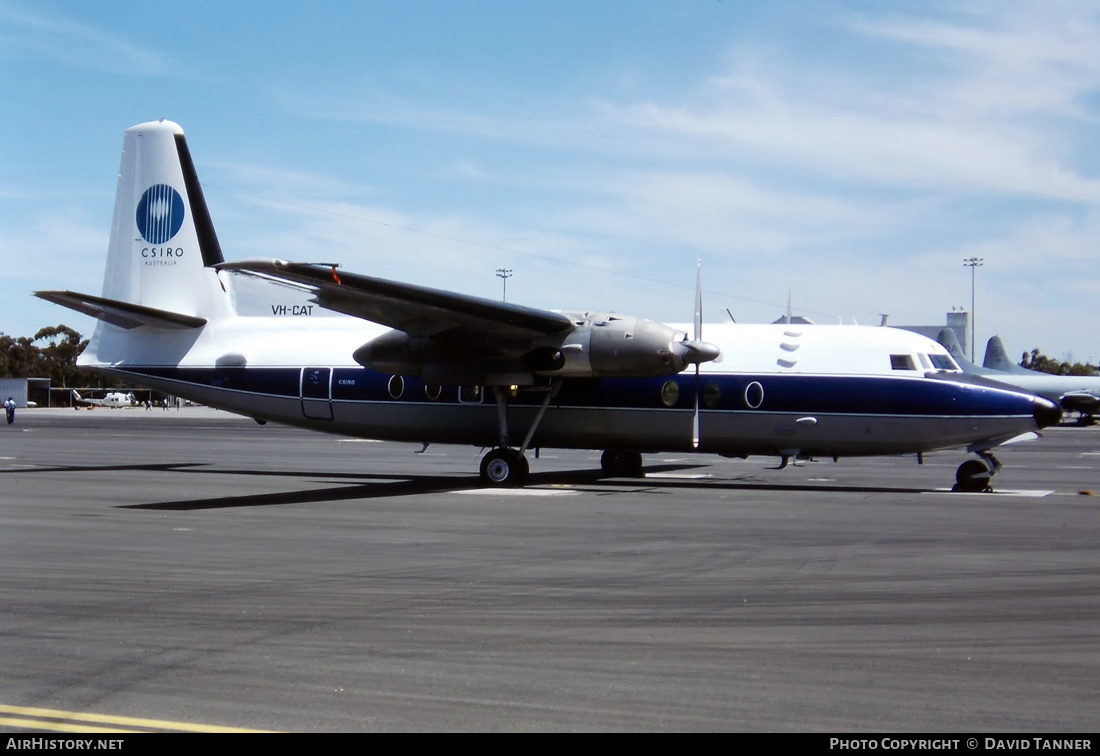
(597, 346)
(618, 346)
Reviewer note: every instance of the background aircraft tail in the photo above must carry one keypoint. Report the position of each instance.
(949, 341)
(996, 357)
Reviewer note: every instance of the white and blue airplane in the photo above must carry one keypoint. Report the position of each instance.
(409, 363)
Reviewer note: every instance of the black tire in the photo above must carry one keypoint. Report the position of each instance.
(973, 475)
(504, 468)
(617, 463)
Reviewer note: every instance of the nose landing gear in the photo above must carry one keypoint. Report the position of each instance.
(976, 475)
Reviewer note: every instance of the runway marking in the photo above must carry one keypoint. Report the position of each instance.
(1020, 492)
(517, 492)
(29, 717)
(677, 476)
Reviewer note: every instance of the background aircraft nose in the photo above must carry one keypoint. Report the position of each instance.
(1046, 412)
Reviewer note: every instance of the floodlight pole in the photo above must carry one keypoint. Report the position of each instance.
(972, 263)
(504, 274)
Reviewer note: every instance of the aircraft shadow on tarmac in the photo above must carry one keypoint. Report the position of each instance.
(373, 486)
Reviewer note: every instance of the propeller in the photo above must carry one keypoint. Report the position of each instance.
(695, 350)
(700, 347)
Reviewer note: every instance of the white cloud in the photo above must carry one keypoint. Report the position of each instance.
(59, 39)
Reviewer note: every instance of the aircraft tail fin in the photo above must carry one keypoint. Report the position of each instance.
(949, 341)
(162, 247)
(996, 357)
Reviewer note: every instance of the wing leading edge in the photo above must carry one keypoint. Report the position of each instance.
(417, 310)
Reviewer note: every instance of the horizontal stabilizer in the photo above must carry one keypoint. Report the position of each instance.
(121, 314)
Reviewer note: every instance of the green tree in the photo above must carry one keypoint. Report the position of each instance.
(1036, 360)
(57, 360)
(23, 358)
(19, 357)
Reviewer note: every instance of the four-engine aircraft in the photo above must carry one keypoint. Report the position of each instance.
(1076, 393)
(1073, 393)
(409, 363)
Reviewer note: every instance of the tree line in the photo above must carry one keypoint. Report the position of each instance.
(1036, 360)
(52, 352)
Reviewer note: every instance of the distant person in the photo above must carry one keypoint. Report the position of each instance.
(9, 408)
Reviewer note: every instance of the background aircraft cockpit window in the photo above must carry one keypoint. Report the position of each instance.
(902, 362)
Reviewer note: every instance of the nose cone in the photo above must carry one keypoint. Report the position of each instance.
(1046, 412)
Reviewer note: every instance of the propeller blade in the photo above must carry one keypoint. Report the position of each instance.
(695, 416)
(701, 349)
(698, 335)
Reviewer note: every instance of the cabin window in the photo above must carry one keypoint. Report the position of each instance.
(670, 393)
(902, 362)
(469, 394)
(712, 395)
(396, 386)
(754, 395)
(432, 390)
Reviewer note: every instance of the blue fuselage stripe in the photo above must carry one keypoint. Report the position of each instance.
(864, 395)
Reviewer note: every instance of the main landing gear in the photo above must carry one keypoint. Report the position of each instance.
(976, 475)
(617, 463)
(504, 466)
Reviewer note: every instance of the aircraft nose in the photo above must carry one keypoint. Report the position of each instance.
(1046, 412)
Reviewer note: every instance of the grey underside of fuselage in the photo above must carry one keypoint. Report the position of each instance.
(727, 432)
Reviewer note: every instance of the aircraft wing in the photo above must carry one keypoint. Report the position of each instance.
(416, 310)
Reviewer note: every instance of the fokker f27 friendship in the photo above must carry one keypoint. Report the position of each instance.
(409, 363)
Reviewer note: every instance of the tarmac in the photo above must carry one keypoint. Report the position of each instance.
(191, 570)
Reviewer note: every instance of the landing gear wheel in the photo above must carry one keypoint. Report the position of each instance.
(974, 476)
(504, 468)
(617, 463)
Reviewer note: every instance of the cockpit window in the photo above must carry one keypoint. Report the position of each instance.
(902, 362)
(944, 362)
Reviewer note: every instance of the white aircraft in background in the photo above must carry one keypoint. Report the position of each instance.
(1073, 393)
(1078, 393)
(409, 363)
(113, 399)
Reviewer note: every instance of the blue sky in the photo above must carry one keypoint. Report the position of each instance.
(852, 154)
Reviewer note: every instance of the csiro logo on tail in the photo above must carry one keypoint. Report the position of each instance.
(159, 214)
